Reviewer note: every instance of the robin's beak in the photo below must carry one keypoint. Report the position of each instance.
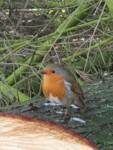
(43, 72)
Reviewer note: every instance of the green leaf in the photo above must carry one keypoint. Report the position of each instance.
(110, 6)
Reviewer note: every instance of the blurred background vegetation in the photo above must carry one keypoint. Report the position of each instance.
(33, 32)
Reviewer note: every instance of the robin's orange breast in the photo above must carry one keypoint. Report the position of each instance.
(53, 85)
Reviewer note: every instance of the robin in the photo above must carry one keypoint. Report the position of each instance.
(59, 84)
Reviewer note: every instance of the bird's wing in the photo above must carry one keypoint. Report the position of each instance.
(79, 94)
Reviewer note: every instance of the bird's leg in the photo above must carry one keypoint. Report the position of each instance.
(67, 115)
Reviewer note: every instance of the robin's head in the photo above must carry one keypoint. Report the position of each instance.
(56, 69)
(48, 71)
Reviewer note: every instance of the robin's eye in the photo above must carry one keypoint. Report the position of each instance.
(53, 71)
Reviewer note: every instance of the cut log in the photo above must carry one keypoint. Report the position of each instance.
(25, 133)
